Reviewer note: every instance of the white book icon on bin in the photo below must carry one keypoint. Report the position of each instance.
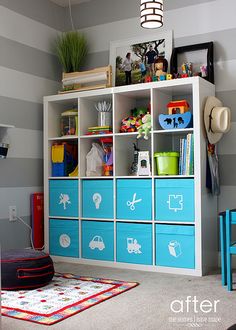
(174, 249)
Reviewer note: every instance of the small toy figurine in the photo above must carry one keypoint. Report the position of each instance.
(148, 79)
(160, 66)
(203, 69)
(145, 127)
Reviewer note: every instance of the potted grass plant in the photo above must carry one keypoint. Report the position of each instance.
(71, 49)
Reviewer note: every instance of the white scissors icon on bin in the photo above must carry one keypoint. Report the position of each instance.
(131, 204)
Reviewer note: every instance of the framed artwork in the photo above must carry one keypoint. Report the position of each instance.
(138, 54)
(201, 57)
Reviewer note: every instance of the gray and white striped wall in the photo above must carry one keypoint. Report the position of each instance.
(29, 70)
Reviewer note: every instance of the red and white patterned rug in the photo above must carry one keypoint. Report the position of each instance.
(66, 295)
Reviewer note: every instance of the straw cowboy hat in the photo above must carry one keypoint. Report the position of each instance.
(216, 119)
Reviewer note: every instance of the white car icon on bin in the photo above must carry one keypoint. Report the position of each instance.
(97, 243)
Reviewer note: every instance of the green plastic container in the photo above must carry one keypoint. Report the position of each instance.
(167, 163)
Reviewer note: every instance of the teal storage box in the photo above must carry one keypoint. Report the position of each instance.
(175, 246)
(134, 243)
(174, 200)
(134, 199)
(98, 240)
(64, 237)
(63, 198)
(97, 199)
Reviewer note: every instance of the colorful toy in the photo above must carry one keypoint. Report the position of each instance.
(203, 69)
(130, 124)
(133, 122)
(64, 158)
(145, 127)
(187, 69)
(107, 165)
(174, 107)
(148, 79)
(161, 66)
(75, 172)
(178, 115)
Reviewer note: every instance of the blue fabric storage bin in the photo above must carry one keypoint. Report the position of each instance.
(64, 237)
(97, 199)
(98, 240)
(174, 200)
(134, 243)
(175, 246)
(134, 199)
(63, 198)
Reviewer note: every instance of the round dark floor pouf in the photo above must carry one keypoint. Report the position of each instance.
(25, 269)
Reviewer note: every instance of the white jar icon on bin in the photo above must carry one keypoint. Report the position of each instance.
(174, 248)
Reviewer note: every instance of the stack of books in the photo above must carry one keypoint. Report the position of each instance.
(99, 130)
(186, 159)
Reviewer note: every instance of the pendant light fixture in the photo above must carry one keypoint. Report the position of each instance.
(151, 14)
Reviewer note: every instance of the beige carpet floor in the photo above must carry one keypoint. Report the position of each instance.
(148, 306)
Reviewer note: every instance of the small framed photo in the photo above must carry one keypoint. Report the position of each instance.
(199, 57)
(132, 59)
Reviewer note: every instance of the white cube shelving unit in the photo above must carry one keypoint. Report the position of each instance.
(195, 90)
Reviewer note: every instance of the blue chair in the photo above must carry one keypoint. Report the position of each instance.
(223, 248)
(230, 219)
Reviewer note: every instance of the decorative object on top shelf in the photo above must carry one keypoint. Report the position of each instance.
(145, 127)
(167, 163)
(86, 80)
(104, 113)
(69, 122)
(161, 66)
(139, 65)
(143, 163)
(197, 60)
(178, 116)
(71, 49)
(151, 14)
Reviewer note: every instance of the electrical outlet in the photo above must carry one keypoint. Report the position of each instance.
(12, 213)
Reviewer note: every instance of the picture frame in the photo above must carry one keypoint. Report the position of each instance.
(200, 55)
(138, 47)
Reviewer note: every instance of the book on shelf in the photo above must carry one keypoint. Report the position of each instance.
(186, 159)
